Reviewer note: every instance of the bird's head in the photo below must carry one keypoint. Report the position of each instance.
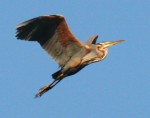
(102, 48)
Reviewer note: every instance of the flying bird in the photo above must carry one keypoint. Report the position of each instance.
(55, 37)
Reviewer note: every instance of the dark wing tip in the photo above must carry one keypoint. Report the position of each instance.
(38, 29)
(92, 40)
(95, 38)
(25, 29)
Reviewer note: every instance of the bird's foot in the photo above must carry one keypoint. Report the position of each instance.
(42, 91)
(46, 88)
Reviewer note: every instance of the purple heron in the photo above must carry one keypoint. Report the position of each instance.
(54, 35)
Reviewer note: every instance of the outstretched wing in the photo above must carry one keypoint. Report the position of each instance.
(54, 36)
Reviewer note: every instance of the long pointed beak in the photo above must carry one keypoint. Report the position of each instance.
(108, 44)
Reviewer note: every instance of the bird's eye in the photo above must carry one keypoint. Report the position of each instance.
(99, 47)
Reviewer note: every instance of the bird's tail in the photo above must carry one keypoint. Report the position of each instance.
(57, 75)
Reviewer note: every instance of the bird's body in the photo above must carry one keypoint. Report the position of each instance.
(55, 37)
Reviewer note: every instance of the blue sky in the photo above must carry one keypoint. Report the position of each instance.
(117, 87)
